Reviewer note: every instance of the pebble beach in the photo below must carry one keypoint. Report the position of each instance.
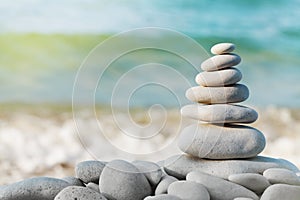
(43, 141)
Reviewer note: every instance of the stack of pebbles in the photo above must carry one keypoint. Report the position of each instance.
(220, 159)
(219, 137)
(221, 154)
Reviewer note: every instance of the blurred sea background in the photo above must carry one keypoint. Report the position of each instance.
(43, 44)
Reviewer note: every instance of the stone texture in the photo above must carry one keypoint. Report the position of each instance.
(220, 62)
(93, 186)
(163, 197)
(281, 192)
(188, 190)
(220, 189)
(123, 181)
(220, 113)
(254, 182)
(223, 77)
(218, 142)
(277, 175)
(79, 193)
(73, 181)
(163, 185)
(216, 95)
(40, 188)
(151, 170)
(222, 48)
(89, 171)
(243, 198)
(180, 165)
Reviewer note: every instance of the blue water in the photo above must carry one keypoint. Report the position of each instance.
(267, 34)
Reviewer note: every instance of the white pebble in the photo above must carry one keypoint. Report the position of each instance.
(222, 48)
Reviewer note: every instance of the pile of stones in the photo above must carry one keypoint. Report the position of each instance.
(219, 162)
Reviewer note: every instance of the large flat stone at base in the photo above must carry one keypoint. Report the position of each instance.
(180, 165)
(221, 142)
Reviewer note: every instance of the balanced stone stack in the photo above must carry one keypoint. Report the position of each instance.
(221, 154)
(220, 159)
(220, 137)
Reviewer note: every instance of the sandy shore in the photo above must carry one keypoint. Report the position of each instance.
(43, 140)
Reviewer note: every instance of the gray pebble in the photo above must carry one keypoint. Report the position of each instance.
(277, 175)
(163, 197)
(281, 192)
(254, 182)
(180, 165)
(121, 180)
(221, 142)
(220, 113)
(222, 48)
(89, 171)
(219, 188)
(243, 198)
(73, 181)
(223, 77)
(93, 186)
(188, 190)
(215, 95)
(40, 188)
(221, 62)
(162, 187)
(151, 170)
(79, 193)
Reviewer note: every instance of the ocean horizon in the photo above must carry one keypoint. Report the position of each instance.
(42, 51)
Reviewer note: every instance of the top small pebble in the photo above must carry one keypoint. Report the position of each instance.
(222, 48)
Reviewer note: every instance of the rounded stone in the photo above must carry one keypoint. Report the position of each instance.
(73, 181)
(219, 188)
(254, 182)
(222, 48)
(89, 171)
(278, 175)
(180, 165)
(123, 181)
(221, 142)
(163, 197)
(220, 113)
(281, 191)
(93, 186)
(216, 95)
(40, 188)
(151, 170)
(242, 198)
(188, 190)
(218, 78)
(78, 193)
(220, 62)
(163, 185)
